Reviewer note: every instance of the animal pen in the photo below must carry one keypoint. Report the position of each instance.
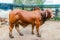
(50, 30)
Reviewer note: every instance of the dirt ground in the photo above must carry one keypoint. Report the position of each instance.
(50, 30)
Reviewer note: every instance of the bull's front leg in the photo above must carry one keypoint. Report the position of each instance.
(37, 27)
(32, 28)
(10, 30)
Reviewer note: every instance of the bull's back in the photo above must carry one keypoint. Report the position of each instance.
(25, 16)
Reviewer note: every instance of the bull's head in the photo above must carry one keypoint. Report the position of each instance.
(46, 14)
(49, 14)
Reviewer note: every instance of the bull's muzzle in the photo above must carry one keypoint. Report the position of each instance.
(52, 16)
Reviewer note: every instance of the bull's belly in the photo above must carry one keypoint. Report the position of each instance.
(23, 24)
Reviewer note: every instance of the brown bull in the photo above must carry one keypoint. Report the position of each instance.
(22, 17)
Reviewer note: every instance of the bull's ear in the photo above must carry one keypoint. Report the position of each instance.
(46, 14)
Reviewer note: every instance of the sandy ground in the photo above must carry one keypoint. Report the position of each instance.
(50, 30)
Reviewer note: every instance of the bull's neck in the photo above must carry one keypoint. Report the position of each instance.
(44, 19)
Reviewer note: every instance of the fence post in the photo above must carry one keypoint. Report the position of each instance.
(11, 7)
(42, 6)
(22, 7)
(56, 13)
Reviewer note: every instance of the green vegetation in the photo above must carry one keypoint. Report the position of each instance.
(28, 2)
(57, 18)
(17, 2)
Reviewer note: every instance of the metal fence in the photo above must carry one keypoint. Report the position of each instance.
(55, 8)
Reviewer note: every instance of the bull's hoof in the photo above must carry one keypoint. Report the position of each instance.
(38, 35)
(21, 34)
(32, 33)
(11, 36)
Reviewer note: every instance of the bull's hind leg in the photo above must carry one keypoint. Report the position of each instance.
(10, 30)
(17, 28)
